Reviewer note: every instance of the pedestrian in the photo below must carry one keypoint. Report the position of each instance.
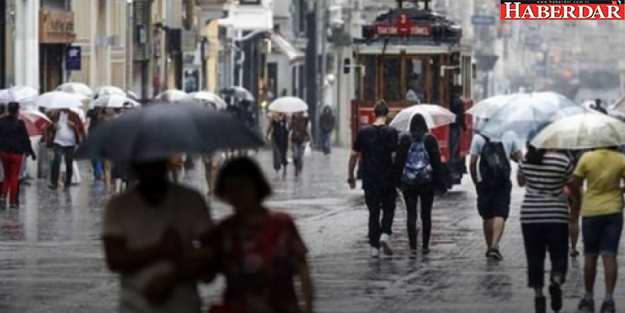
(14, 145)
(149, 236)
(327, 123)
(599, 106)
(457, 128)
(106, 115)
(66, 134)
(300, 135)
(418, 161)
(278, 135)
(545, 221)
(259, 251)
(490, 171)
(603, 171)
(377, 145)
(93, 117)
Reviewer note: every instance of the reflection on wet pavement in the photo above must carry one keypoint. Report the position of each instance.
(51, 260)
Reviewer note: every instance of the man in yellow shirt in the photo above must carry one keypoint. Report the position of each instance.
(603, 170)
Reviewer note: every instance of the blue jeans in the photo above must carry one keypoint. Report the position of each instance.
(98, 169)
(326, 143)
(602, 234)
(66, 153)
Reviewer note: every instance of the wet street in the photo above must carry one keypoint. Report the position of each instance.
(51, 258)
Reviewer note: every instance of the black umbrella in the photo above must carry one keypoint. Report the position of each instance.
(162, 131)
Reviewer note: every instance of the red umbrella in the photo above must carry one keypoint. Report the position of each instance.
(36, 122)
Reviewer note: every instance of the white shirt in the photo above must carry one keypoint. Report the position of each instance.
(65, 135)
(509, 140)
(141, 225)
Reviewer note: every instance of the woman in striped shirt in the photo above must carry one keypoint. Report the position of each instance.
(545, 220)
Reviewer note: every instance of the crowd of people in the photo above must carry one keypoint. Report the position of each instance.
(554, 199)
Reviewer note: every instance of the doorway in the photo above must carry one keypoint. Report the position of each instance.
(52, 61)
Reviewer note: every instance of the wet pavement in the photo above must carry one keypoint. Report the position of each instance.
(51, 259)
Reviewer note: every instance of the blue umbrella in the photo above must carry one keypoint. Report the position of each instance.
(526, 114)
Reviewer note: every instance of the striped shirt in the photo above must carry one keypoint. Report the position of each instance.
(545, 201)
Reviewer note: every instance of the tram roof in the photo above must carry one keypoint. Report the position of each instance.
(378, 49)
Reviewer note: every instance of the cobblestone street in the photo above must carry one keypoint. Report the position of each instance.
(51, 259)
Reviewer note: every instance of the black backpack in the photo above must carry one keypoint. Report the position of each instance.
(494, 163)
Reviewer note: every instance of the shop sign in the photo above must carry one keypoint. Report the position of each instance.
(56, 27)
(384, 29)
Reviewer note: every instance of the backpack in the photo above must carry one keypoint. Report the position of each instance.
(494, 164)
(418, 169)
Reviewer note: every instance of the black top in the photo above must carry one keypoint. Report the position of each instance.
(279, 131)
(94, 116)
(431, 146)
(376, 144)
(14, 137)
(326, 122)
(457, 108)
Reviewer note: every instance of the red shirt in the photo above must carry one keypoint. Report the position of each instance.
(259, 264)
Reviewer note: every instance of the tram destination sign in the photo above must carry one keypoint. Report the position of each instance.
(388, 29)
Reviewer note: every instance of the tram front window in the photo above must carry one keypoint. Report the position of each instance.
(391, 72)
(414, 77)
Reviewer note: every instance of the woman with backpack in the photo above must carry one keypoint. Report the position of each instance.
(545, 221)
(419, 167)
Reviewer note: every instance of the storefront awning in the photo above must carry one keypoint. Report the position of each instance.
(296, 57)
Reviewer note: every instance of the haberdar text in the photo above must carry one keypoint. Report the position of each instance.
(537, 11)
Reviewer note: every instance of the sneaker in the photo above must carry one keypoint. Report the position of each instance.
(14, 206)
(426, 251)
(586, 306)
(413, 254)
(574, 253)
(608, 306)
(375, 253)
(494, 254)
(540, 305)
(384, 243)
(556, 296)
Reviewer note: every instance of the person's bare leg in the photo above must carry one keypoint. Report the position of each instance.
(611, 273)
(499, 225)
(574, 234)
(487, 226)
(590, 271)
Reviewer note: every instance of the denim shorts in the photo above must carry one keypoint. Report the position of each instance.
(602, 234)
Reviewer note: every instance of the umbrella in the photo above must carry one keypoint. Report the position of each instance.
(205, 96)
(239, 92)
(108, 91)
(288, 105)
(19, 94)
(486, 107)
(582, 131)
(527, 113)
(115, 101)
(36, 122)
(435, 116)
(56, 100)
(161, 131)
(172, 95)
(78, 88)
(132, 95)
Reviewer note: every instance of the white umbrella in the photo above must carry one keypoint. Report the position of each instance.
(582, 131)
(435, 116)
(109, 90)
(56, 100)
(18, 94)
(206, 96)
(78, 88)
(132, 95)
(288, 105)
(172, 95)
(486, 107)
(115, 102)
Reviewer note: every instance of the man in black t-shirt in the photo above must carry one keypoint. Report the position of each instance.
(377, 144)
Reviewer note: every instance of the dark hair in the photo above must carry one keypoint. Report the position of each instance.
(598, 101)
(418, 126)
(243, 168)
(13, 108)
(534, 156)
(381, 109)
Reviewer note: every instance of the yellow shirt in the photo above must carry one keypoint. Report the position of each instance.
(603, 171)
